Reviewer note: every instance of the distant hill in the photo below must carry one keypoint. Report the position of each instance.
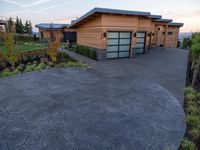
(183, 35)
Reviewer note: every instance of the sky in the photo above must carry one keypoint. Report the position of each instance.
(63, 11)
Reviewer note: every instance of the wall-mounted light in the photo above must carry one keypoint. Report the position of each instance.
(134, 34)
(163, 33)
(104, 35)
(152, 34)
(148, 34)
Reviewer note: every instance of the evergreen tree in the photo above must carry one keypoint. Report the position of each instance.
(21, 26)
(17, 26)
(30, 27)
(11, 25)
(26, 27)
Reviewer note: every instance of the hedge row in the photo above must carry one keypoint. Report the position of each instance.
(25, 38)
(85, 51)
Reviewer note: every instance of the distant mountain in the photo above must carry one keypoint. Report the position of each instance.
(183, 35)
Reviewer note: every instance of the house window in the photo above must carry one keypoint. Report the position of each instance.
(42, 36)
(170, 33)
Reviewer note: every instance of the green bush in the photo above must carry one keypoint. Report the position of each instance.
(51, 64)
(187, 145)
(7, 73)
(193, 110)
(30, 68)
(24, 38)
(93, 55)
(191, 97)
(189, 90)
(20, 68)
(41, 65)
(193, 120)
(195, 133)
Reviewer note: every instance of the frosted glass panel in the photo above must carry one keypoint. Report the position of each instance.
(124, 48)
(112, 55)
(140, 40)
(125, 41)
(140, 34)
(112, 41)
(113, 35)
(139, 45)
(112, 48)
(123, 54)
(138, 51)
(125, 34)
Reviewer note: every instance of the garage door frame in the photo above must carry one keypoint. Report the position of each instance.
(118, 44)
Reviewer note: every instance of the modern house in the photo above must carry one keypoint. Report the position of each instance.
(116, 33)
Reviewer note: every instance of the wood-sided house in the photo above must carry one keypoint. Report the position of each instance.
(116, 33)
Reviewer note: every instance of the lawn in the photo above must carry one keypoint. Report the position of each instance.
(24, 47)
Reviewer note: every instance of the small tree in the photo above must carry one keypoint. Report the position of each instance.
(30, 28)
(186, 43)
(53, 50)
(195, 48)
(11, 54)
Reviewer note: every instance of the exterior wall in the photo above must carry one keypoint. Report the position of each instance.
(90, 33)
(47, 34)
(171, 40)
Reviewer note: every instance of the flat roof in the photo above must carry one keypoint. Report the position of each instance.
(110, 11)
(176, 24)
(51, 26)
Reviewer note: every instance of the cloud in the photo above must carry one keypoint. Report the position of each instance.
(35, 3)
(54, 6)
(13, 2)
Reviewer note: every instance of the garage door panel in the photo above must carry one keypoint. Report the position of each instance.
(112, 55)
(124, 48)
(125, 35)
(140, 40)
(124, 41)
(140, 45)
(139, 50)
(112, 48)
(140, 34)
(123, 54)
(112, 41)
(113, 35)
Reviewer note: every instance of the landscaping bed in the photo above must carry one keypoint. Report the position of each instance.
(85, 51)
(38, 63)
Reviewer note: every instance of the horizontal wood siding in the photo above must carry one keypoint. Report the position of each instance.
(171, 40)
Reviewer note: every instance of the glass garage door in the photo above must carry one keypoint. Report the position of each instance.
(118, 44)
(140, 43)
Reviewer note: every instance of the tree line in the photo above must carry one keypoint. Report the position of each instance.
(19, 27)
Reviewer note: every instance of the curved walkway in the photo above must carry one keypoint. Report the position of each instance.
(77, 109)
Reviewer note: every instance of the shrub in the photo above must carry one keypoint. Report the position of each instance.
(189, 90)
(193, 120)
(30, 68)
(187, 145)
(195, 133)
(50, 64)
(193, 110)
(20, 68)
(61, 65)
(93, 55)
(42, 65)
(191, 97)
(7, 73)
(23, 38)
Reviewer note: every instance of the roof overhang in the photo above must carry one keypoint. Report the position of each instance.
(51, 26)
(97, 11)
(163, 20)
(176, 24)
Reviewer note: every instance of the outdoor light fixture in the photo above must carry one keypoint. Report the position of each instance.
(134, 34)
(104, 35)
(152, 34)
(148, 34)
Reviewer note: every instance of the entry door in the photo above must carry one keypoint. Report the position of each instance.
(140, 42)
(118, 44)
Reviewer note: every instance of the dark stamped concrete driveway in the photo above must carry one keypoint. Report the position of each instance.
(166, 67)
(73, 109)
